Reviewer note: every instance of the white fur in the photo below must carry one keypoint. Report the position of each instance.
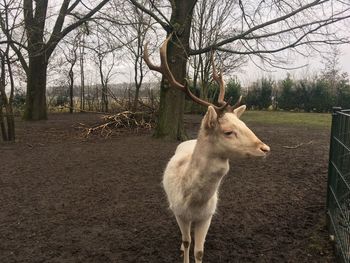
(193, 175)
(191, 193)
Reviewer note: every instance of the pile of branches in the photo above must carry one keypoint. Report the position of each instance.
(120, 122)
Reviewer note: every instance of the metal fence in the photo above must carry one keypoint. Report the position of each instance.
(338, 198)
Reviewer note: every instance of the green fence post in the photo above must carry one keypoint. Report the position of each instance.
(334, 123)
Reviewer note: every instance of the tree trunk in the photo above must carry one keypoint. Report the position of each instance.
(171, 108)
(9, 108)
(82, 89)
(104, 97)
(2, 125)
(136, 98)
(97, 106)
(35, 108)
(82, 94)
(11, 134)
(71, 86)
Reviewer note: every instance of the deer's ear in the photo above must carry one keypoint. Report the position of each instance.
(239, 111)
(211, 118)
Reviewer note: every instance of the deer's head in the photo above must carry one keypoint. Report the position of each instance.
(229, 135)
(221, 125)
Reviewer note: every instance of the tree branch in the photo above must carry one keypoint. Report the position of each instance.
(55, 38)
(13, 43)
(167, 27)
(297, 42)
(255, 28)
(60, 19)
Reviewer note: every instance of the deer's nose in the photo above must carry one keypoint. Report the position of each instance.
(265, 148)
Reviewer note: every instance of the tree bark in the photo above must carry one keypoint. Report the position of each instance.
(71, 87)
(36, 108)
(9, 133)
(10, 119)
(104, 97)
(137, 78)
(82, 88)
(104, 87)
(9, 109)
(171, 108)
(2, 125)
(136, 97)
(35, 16)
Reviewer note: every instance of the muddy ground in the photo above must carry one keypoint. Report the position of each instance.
(64, 198)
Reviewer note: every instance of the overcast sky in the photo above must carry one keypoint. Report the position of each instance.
(251, 73)
(314, 65)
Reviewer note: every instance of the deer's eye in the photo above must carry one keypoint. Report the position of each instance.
(228, 133)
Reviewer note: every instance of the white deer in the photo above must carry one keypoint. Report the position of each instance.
(193, 175)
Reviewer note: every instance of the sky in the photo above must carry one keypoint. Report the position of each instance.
(314, 65)
(251, 73)
(248, 74)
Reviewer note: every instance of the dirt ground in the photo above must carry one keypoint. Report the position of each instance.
(65, 198)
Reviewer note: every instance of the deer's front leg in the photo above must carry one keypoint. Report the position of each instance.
(185, 227)
(200, 232)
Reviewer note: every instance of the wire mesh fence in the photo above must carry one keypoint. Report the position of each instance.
(338, 198)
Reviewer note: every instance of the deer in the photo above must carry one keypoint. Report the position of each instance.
(194, 173)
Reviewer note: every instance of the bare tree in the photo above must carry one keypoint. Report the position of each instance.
(331, 70)
(40, 43)
(133, 39)
(261, 29)
(71, 58)
(83, 32)
(104, 48)
(8, 134)
(82, 73)
(210, 22)
(171, 108)
(7, 60)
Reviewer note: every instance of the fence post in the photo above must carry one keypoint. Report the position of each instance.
(333, 125)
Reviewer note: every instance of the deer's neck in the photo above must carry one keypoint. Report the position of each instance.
(206, 170)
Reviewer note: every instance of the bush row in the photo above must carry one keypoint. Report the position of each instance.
(318, 94)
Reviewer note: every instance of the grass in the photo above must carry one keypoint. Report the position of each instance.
(317, 120)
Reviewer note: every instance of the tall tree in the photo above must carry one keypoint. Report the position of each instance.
(331, 71)
(133, 39)
(209, 23)
(171, 108)
(104, 50)
(41, 44)
(7, 129)
(261, 29)
(71, 57)
(7, 61)
(83, 32)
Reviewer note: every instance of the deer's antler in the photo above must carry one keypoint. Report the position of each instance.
(164, 69)
(219, 79)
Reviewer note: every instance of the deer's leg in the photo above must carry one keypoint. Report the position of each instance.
(185, 227)
(200, 232)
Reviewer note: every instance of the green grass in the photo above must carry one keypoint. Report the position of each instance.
(317, 120)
